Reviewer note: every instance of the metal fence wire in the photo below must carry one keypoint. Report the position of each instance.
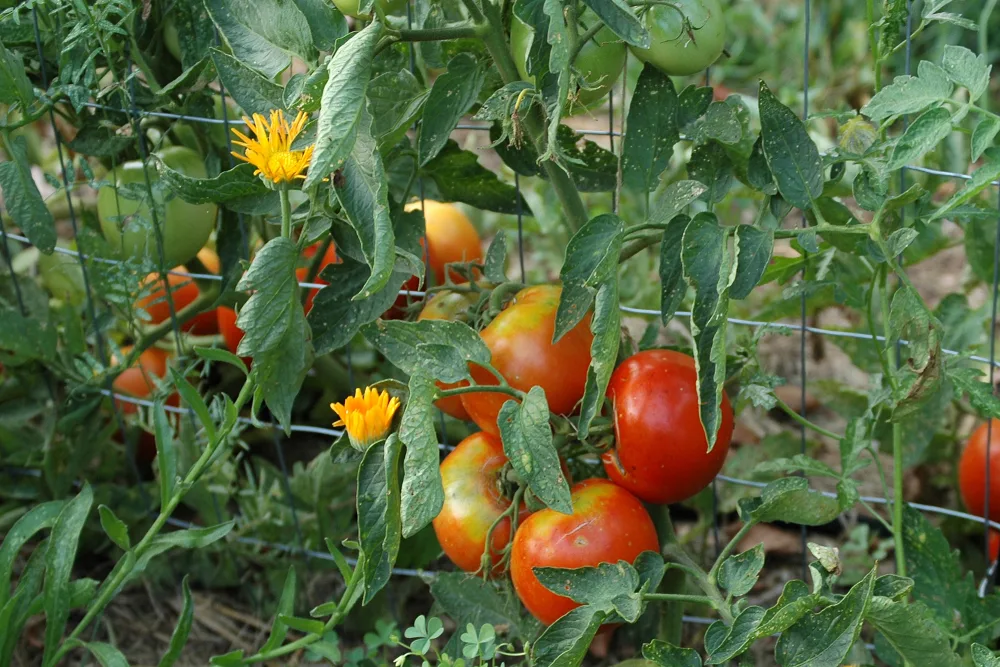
(128, 106)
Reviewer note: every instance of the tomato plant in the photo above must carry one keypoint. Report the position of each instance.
(522, 351)
(608, 524)
(452, 306)
(350, 7)
(128, 223)
(661, 452)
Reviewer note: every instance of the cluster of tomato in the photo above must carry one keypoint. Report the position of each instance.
(660, 455)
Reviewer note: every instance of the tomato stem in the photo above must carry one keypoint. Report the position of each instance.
(286, 212)
(488, 388)
(788, 410)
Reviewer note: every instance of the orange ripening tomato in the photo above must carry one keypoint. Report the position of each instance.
(140, 380)
(661, 453)
(520, 341)
(231, 334)
(994, 545)
(449, 305)
(301, 273)
(210, 259)
(608, 524)
(451, 237)
(972, 471)
(183, 291)
(473, 500)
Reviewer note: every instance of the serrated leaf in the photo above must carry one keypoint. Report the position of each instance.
(459, 177)
(603, 587)
(789, 499)
(908, 627)
(591, 259)
(379, 524)
(652, 130)
(738, 638)
(665, 654)
(706, 261)
(983, 136)
(22, 199)
(605, 325)
(263, 33)
(967, 69)
(60, 556)
(255, 94)
(474, 600)
(969, 382)
(791, 154)
(710, 164)
(527, 442)
(450, 98)
(233, 184)
(823, 639)
(15, 88)
(753, 255)
(922, 136)
(395, 103)
(621, 20)
(981, 179)
(400, 343)
(343, 102)
(363, 193)
(910, 94)
(566, 641)
(422, 494)
(983, 657)
(672, 285)
(739, 572)
(179, 637)
(326, 23)
(496, 259)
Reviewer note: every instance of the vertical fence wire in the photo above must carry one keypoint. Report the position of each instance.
(803, 306)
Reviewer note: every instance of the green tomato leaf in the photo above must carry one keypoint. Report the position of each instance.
(910, 94)
(15, 88)
(665, 654)
(606, 327)
(753, 255)
(263, 34)
(675, 198)
(450, 98)
(672, 285)
(401, 343)
(496, 259)
(459, 177)
(27, 337)
(739, 572)
(790, 152)
(738, 638)
(527, 442)
(22, 199)
(59, 558)
(422, 493)
(968, 381)
(823, 639)
(566, 641)
(967, 69)
(981, 179)
(335, 318)
(790, 500)
(326, 23)
(474, 600)
(652, 130)
(251, 91)
(179, 637)
(983, 657)
(706, 261)
(591, 260)
(395, 102)
(608, 587)
(233, 184)
(343, 102)
(363, 193)
(983, 136)
(710, 164)
(910, 629)
(621, 20)
(379, 524)
(922, 136)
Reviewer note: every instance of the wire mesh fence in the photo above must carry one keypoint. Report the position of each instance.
(129, 107)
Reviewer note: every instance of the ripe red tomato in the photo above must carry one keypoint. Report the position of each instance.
(140, 380)
(661, 447)
(184, 291)
(449, 305)
(994, 545)
(520, 340)
(608, 524)
(473, 500)
(972, 471)
(301, 273)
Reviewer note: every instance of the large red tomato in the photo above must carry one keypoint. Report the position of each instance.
(661, 447)
(972, 471)
(449, 305)
(520, 340)
(608, 524)
(473, 500)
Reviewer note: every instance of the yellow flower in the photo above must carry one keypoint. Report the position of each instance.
(367, 417)
(271, 151)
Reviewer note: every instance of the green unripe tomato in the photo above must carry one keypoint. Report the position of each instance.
(62, 276)
(350, 7)
(171, 39)
(128, 223)
(685, 38)
(599, 62)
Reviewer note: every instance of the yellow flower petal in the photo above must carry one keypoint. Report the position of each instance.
(270, 151)
(366, 416)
